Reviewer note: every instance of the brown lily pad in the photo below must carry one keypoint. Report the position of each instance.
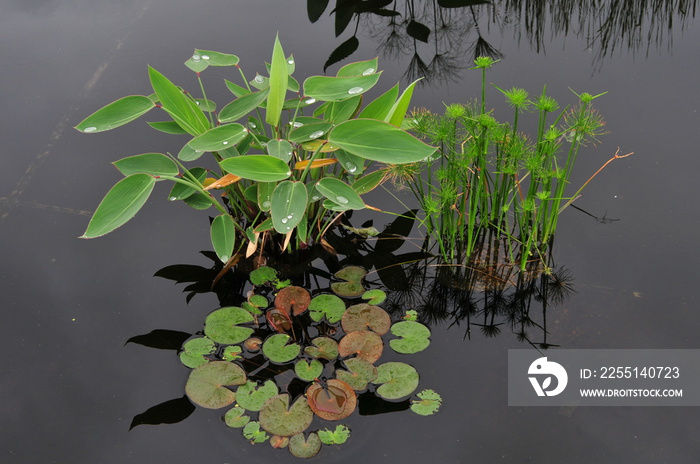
(334, 401)
(293, 300)
(366, 317)
(324, 347)
(365, 344)
(351, 287)
(279, 320)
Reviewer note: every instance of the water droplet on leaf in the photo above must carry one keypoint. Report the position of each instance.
(90, 129)
(196, 58)
(309, 101)
(355, 90)
(350, 167)
(205, 57)
(316, 134)
(285, 220)
(259, 79)
(341, 200)
(368, 71)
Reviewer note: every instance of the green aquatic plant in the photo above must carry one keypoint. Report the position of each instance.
(288, 157)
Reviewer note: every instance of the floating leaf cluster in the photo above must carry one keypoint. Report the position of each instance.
(279, 367)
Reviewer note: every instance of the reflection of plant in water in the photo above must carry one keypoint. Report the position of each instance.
(283, 360)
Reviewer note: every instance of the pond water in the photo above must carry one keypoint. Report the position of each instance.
(71, 384)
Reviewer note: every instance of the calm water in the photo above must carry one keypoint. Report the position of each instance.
(70, 384)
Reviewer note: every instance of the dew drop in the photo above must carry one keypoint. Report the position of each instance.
(289, 173)
(350, 167)
(225, 142)
(259, 79)
(368, 71)
(315, 134)
(309, 101)
(196, 58)
(205, 57)
(355, 90)
(266, 204)
(90, 129)
(290, 61)
(285, 220)
(296, 124)
(290, 216)
(252, 125)
(172, 198)
(341, 200)
(315, 198)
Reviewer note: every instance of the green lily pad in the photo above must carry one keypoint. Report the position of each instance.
(279, 442)
(253, 432)
(222, 325)
(194, 351)
(278, 418)
(250, 396)
(334, 437)
(308, 371)
(262, 275)
(258, 301)
(364, 316)
(276, 349)
(326, 305)
(428, 403)
(413, 337)
(324, 347)
(252, 309)
(304, 448)
(360, 373)
(411, 315)
(232, 353)
(396, 380)
(365, 344)
(206, 385)
(352, 285)
(334, 401)
(236, 418)
(293, 300)
(375, 296)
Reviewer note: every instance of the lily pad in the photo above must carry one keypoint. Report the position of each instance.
(365, 344)
(258, 301)
(352, 285)
(250, 396)
(262, 275)
(326, 305)
(324, 347)
(364, 316)
(253, 344)
(413, 337)
(293, 300)
(278, 418)
(279, 442)
(279, 320)
(428, 403)
(334, 401)
(396, 380)
(374, 296)
(334, 437)
(276, 349)
(360, 373)
(206, 385)
(254, 433)
(236, 418)
(308, 371)
(222, 325)
(411, 315)
(194, 351)
(232, 353)
(304, 448)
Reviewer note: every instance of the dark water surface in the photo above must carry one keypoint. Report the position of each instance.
(70, 385)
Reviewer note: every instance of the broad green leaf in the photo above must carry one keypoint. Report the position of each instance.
(264, 195)
(379, 141)
(323, 347)
(329, 306)
(120, 204)
(236, 89)
(206, 105)
(254, 433)
(281, 149)
(353, 165)
(360, 372)
(288, 205)
(368, 182)
(398, 111)
(334, 437)
(278, 84)
(344, 110)
(261, 168)
(242, 106)
(222, 325)
(223, 236)
(278, 418)
(304, 447)
(276, 349)
(338, 88)
(413, 337)
(188, 153)
(217, 58)
(262, 275)
(206, 385)
(427, 404)
(374, 296)
(116, 114)
(198, 201)
(155, 164)
(181, 108)
(168, 127)
(309, 132)
(232, 353)
(359, 68)
(219, 138)
(250, 396)
(193, 352)
(308, 371)
(340, 193)
(236, 418)
(380, 107)
(352, 285)
(396, 380)
(181, 191)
